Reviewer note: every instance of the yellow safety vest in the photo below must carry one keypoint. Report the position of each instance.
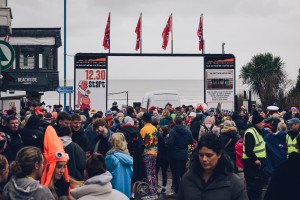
(291, 144)
(259, 147)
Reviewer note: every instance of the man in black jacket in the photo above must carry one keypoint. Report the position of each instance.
(179, 139)
(15, 142)
(78, 135)
(254, 156)
(32, 134)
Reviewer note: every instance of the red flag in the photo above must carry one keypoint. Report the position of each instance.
(200, 34)
(165, 33)
(138, 34)
(6, 38)
(106, 39)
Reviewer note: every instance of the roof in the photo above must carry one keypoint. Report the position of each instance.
(38, 32)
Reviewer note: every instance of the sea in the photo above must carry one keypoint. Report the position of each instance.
(191, 92)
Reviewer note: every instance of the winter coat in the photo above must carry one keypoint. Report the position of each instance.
(276, 150)
(91, 135)
(135, 147)
(32, 134)
(179, 139)
(119, 165)
(15, 143)
(81, 139)
(26, 188)
(238, 121)
(239, 154)
(103, 145)
(195, 127)
(284, 181)
(226, 135)
(77, 158)
(98, 187)
(222, 187)
(162, 149)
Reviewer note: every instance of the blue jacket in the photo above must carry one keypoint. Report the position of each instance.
(276, 151)
(120, 166)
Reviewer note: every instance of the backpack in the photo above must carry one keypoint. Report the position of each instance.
(208, 130)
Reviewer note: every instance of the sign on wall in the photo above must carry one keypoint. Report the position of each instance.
(90, 86)
(219, 80)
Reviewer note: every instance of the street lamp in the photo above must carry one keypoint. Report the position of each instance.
(223, 50)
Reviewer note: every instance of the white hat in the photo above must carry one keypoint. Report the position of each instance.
(192, 114)
(272, 108)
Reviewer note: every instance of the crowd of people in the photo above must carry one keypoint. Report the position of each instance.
(90, 154)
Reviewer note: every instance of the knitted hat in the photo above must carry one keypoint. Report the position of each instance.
(128, 120)
(256, 119)
(53, 152)
(108, 113)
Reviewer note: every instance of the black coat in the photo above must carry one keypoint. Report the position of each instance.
(15, 143)
(195, 127)
(76, 162)
(228, 139)
(221, 187)
(135, 148)
(179, 139)
(81, 139)
(32, 134)
(285, 180)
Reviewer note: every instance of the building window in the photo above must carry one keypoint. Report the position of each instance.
(26, 61)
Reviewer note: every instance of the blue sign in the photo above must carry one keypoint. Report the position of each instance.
(62, 89)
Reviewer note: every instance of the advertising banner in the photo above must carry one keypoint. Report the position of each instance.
(90, 86)
(219, 82)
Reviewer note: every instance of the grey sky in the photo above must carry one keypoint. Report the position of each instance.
(247, 27)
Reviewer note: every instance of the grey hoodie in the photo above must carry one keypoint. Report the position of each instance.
(26, 189)
(98, 187)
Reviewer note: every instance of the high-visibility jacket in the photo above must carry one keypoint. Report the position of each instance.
(260, 145)
(291, 144)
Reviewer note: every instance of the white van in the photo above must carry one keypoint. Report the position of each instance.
(159, 98)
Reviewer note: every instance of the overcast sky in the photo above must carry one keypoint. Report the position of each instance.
(248, 27)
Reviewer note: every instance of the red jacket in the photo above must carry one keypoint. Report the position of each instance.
(239, 153)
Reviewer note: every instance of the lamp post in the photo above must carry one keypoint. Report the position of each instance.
(223, 50)
(65, 51)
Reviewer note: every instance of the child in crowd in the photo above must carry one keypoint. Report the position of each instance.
(239, 150)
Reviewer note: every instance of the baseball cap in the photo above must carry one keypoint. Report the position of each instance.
(293, 121)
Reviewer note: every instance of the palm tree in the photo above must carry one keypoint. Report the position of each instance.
(265, 75)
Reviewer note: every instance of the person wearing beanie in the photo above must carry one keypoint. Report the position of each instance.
(55, 175)
(254, 155)
(76, 155)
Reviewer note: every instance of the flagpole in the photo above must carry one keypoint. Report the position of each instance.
(171, 33)
(141, 34)
(201, 17)
(109, 33)
(65, 52)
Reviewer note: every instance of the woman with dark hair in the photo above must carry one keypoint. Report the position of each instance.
(97, 184)
(211, 175)
(26, 170)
